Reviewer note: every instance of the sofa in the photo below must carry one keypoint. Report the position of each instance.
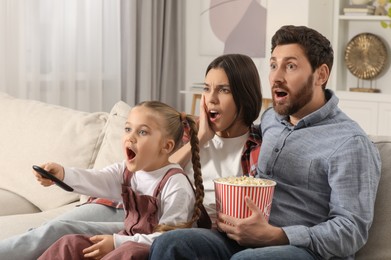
(34, 132)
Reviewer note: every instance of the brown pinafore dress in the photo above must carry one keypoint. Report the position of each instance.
(141, 217)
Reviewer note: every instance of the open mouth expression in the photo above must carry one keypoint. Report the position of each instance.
(130, 154)
(214, 115)
(279, 94)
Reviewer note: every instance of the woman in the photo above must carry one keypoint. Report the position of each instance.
(229, 142)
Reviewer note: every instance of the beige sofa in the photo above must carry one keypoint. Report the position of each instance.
(34, 132)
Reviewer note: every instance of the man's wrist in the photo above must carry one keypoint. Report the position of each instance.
(278, 237)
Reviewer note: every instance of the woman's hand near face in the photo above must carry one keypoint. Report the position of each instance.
(205, 132)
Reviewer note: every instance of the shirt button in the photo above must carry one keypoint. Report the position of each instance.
(276, 150)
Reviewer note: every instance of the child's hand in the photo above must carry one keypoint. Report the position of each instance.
(54, 168)
(103, 244)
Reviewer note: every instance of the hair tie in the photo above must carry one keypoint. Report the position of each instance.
(183, 116)
(184, 121)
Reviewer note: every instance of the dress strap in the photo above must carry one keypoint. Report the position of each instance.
(165, 178)
(127, 176)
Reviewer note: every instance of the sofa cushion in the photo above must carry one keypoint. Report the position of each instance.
(17, 224)
(12, 203)
(378, 245)
(33, 132)
(111, 148)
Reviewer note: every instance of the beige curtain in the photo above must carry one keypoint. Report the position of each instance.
(88, 54)
(64, 52)
(153, 65)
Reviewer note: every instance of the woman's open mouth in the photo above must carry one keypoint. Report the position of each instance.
(214, 115)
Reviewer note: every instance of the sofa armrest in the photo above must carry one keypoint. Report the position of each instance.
(378, 245)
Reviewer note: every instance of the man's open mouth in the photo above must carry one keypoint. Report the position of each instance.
(280, 93)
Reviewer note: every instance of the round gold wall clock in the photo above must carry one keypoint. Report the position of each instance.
(365, 55)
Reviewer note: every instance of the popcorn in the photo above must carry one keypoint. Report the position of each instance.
(245, 181)
(230, 195)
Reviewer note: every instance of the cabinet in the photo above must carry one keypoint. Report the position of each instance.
(371, 110)
(362, 113)
(384, 119)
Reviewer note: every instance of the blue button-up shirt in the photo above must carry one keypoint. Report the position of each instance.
(327, 173)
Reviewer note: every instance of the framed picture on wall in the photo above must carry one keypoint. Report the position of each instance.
(233, 27)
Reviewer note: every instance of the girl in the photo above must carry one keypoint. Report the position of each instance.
(156, 194)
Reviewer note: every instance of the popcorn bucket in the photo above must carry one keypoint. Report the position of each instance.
(231, 192)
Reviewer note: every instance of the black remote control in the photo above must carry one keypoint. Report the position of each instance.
(50, 176)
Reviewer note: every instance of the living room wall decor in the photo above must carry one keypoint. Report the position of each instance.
(232, 26)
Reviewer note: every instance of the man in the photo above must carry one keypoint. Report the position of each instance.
(327, 170)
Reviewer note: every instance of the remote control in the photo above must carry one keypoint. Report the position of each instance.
(50, 176)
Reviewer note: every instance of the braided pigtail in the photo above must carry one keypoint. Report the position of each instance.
(190, 128)
(195, 159)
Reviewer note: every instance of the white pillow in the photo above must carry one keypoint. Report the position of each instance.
(111, 148)
(33, 132)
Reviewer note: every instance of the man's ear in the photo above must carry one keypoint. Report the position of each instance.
(322, 74)
(168, 146)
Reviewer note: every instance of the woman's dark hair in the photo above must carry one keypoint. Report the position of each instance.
(244, 82)
(316, 47)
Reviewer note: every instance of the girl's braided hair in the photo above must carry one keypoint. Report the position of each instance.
(175, 125)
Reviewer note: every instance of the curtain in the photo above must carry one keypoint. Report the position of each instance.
(88, 54)
(153, 64)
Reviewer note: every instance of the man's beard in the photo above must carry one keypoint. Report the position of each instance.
(295, 101)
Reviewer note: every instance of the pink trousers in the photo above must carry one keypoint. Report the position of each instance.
(71, 247)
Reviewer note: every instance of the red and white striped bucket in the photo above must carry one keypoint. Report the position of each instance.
(230, 198)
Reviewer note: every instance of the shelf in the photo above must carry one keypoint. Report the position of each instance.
(365, 17)
(345, 28)
(360, 96)
(370, 110)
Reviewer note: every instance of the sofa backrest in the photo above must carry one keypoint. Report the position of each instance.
(111, 147)
(378, 245)
(33, 132)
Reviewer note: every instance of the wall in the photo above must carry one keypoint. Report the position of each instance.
(313, 13)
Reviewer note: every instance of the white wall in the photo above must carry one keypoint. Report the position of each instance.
(313, 13)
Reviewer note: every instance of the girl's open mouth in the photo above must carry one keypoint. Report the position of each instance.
(130, 153)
